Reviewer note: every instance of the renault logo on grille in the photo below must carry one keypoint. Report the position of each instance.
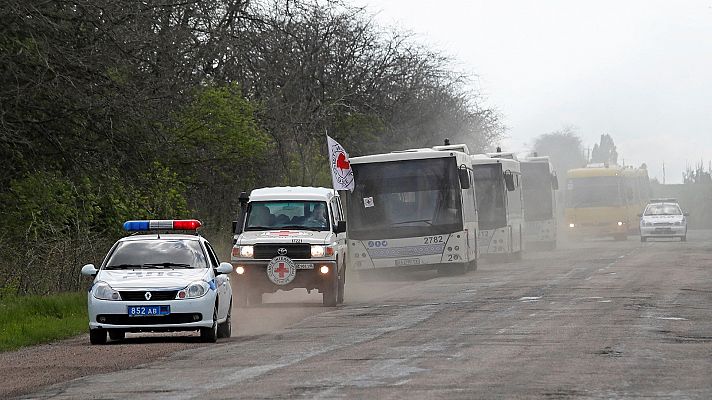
(147, 296)
(282, 251)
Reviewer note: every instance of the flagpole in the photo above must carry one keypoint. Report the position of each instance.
(328, 157)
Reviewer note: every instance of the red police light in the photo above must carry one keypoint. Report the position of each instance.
(186, 225)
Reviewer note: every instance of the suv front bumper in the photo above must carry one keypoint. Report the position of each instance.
(255, 276)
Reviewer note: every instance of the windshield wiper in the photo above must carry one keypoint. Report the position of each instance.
(416, 220)
(122, 266)
(166, 265)
(260, 228)
(303, 228)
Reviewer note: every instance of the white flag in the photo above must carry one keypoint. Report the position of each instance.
(341, 173)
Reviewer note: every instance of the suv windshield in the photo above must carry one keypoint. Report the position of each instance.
(157, 253)
(663, 209)
(302, 215)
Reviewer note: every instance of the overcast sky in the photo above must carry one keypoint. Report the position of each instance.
(638, 70)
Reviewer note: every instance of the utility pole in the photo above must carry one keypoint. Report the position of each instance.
(663, 172)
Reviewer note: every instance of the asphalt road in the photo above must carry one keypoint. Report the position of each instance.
(593, 319)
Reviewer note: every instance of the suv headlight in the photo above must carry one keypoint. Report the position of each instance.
(247, 251)
(103, 291)
(321, 251)
(194, 290)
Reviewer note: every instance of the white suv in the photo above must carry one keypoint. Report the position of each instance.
(290, 237)
(663, 218)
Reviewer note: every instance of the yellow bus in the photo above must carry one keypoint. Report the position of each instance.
(603, 200)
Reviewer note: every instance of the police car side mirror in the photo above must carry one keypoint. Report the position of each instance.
(89, 270)
(640, 215)
(224, 268)
(686, 214)
(340, 227)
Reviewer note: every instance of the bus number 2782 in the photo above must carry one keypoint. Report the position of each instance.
(434, 239)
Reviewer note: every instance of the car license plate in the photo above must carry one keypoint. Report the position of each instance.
(408, 261)
(304, 266)
(148, 311)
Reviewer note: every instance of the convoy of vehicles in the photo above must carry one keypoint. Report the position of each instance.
(290, 237)
(413, 209)
(663, 218)
(432, 208)
(540, 215)
(498, 187)
(603, 200)
(157, 282)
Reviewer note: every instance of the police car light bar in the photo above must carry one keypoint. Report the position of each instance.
(163, 224)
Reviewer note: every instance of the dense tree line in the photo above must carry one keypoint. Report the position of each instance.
(111, 110)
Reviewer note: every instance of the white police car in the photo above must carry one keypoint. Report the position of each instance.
(663, 218)
(158, 282)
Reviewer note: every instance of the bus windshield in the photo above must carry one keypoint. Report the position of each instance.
(491, 203)
(538, 197)
(597, 191)
(405, 198)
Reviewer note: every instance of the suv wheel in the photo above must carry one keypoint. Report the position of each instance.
(342, 283)
(331, 292)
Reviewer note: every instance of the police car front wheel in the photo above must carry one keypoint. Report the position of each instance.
(210, 335)
(97, 336)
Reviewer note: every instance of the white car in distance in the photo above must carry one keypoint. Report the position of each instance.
(158, 282)
(663, 218)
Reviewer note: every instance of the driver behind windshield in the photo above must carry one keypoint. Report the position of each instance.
(317, 218)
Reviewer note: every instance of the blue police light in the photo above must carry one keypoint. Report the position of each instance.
(162, 224)
(136, 225)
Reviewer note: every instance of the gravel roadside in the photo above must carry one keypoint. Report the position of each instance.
(29, 369)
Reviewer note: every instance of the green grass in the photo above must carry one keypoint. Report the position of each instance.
(28, 320)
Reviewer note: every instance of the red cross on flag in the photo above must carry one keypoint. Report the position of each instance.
(341, 174)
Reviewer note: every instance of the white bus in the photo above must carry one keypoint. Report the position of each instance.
(413, 209)
(498, 184)
(540, 185)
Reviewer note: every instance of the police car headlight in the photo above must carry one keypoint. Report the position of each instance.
(247, 251)
(103, 291)
(194, 290)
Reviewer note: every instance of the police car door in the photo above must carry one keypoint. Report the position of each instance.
(222, 283)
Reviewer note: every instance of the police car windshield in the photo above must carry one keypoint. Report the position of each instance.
(157, 253)
(301, 215)
(663, 209)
